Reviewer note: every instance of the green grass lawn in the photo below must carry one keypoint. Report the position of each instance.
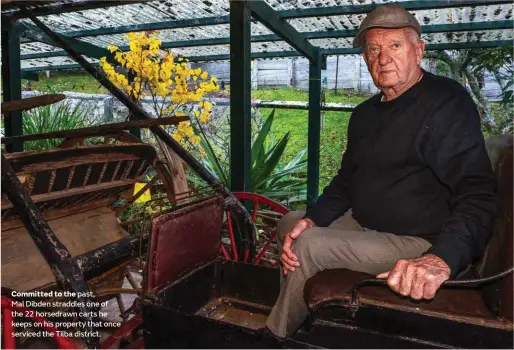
(333, 133)
(65, 81)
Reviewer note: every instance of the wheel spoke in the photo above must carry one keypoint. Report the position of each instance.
(247, 254)
(231, 234)
(225, 253)
(265, 215)
(254, 213)
(266, 246)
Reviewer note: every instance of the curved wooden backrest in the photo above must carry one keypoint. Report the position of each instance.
(65, 181)
(499, 253)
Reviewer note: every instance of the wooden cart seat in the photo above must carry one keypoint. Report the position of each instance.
(491, 305)
(76, 178)
(74, 189)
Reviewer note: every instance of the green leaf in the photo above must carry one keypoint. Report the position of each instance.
(271, 161)
(211, 158)
(258, 150)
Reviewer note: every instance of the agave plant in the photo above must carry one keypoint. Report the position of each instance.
(52, 118)
(268, 177)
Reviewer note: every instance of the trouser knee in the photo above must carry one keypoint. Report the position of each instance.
(287, 223)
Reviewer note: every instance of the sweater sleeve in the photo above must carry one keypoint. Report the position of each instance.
(335, 199)
(456, 153)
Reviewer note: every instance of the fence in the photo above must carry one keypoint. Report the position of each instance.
(347, 71)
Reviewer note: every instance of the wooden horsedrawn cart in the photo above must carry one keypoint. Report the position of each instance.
(198, 292)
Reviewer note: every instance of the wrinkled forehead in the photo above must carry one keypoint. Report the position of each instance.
(384, 35)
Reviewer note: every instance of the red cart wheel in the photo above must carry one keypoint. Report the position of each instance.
(265, 215)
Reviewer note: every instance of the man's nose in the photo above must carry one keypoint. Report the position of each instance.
(384, 57)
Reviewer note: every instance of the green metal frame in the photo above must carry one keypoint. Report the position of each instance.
(11, 82)
(267, 16)
(240, 96)
(82, 47)
(29, 76)
(314, 127)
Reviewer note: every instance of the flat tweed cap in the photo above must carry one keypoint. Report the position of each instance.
(387, 16)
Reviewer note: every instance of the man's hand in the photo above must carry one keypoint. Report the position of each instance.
(288, 259)
(418, 278)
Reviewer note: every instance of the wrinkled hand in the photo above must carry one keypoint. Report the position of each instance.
(288, 259)
(418, 278)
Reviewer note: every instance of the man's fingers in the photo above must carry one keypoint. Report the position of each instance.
(418, 285)
(295, 232)
(286, 249)
(395, 276)
(286, 258)
(384, 274)
(287, 267)
(431, 286)
(407, 279)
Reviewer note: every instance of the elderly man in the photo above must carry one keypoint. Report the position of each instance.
(414, 198)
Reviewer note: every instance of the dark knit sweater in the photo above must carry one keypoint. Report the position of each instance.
(417, 166)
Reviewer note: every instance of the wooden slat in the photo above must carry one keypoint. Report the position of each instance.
(10, 224)
(52, 180)
(88, 172)
(26, 162)
(70, 177)
(31, 102)
(71, 192)
(96, 130)
(102, 173)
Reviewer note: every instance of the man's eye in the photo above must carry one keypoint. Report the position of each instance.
(373, 49)
(396, 45)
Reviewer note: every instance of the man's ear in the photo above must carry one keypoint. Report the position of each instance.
(420, 51)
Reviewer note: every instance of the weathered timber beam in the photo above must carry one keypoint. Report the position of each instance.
(31, 102)
(96, 130)
(101, 259)
(267, 16)
(231, 202)
(66, 271)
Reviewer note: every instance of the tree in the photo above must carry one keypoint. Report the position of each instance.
(469, 67)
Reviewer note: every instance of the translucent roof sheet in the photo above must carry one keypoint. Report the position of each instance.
(137, 13)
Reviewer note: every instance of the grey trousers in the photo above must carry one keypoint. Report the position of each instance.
(343, 244)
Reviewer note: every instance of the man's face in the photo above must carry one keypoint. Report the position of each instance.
(391, 56)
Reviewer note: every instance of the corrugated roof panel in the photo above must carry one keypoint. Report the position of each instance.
(180, 34)
(54, 61)
(225, 49)
(148, 12)
(424, 17)
(37, 47)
